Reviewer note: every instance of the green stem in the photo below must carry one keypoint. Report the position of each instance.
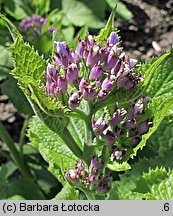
(22, 134)
(5, 136)
(89, 150)
(78, 113)
(71, 143)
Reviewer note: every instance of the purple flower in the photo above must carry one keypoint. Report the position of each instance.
(89, 92)
(62, 83)
(63, 54)
(90, 40)
(61, 48)
(35, 23)
(117, 154)
(111, 60)
(70, 175)
(110, 138)
(93, 56)
(96, 165)
(76, 175)
(116, 68)
(83, 83)
(51, 73)
(134, 142)
(107, 84)
(52, 29)
(102, 94)
(129, 123)
(143, 128)
(96, 72)
(74, 100)
(113, 38)
(99, 126)
(117, 116)
(80, 166)
(103, 54)
(57, 91)
(126, 82)
(72, 73)
(80, 49)
(104, 184)
(136, 111)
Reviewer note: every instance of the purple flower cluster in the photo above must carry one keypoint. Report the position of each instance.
(36, 24)
(93, 179)
(93, 69)
(123, 124)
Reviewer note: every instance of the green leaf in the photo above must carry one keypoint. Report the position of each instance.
(25, 188)
(163, 191)
(76, 128)
(52, 148)
(14, 93)
(122, 12)
(68, 192)
(158, 85)
(161, 142)
(3, 74)
(105, 32)
(85, 12)
(16, 8)
(4, 36)
(118, 167)
(4, 56)
(29, 71)
(68, 33)
(157, 184)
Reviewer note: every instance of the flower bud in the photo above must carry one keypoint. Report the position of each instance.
(142, 128)
(111, 61)
(113, 38)
(107, 84)
(80, 49)
(90, 40)
(72, 73)
(134, 142)
(110, 138)
(132, 62)
(52, 29)
(129, 123)
(96, 72)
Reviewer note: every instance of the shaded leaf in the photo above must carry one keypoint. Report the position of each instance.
(52, 148)
(85, 12)
(68, 192)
